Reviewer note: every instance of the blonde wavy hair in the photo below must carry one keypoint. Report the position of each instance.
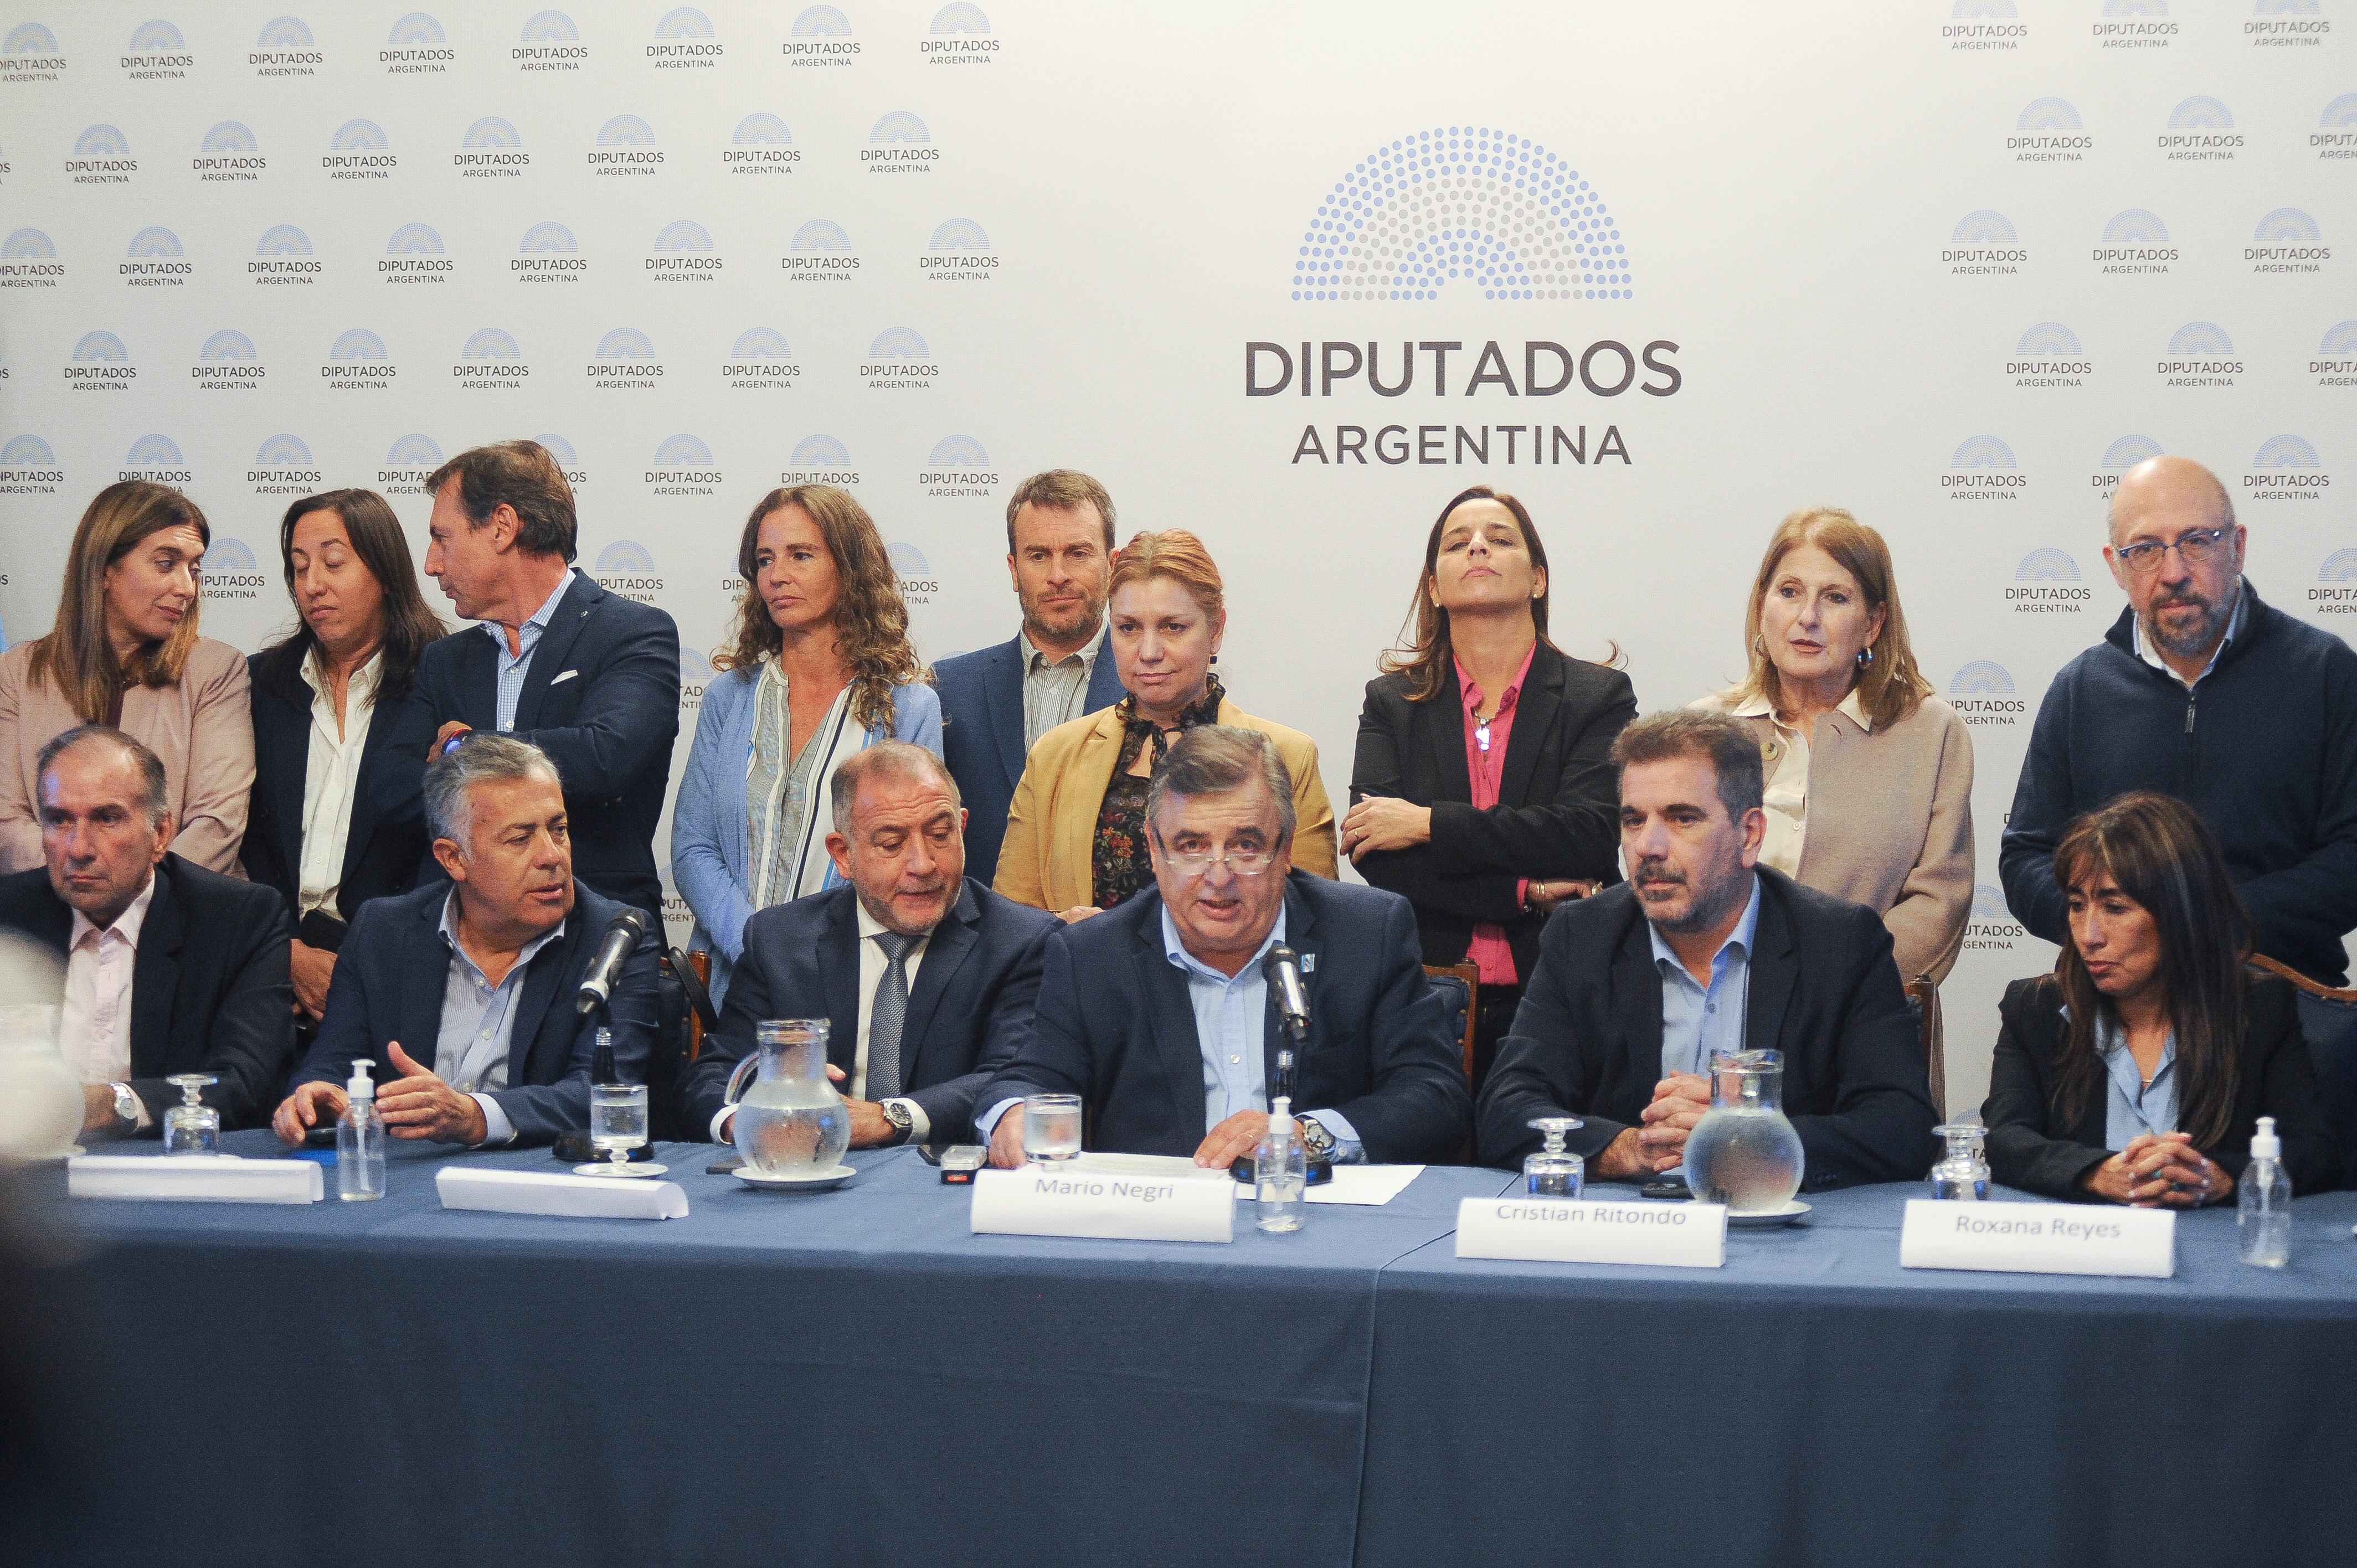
(871, 624)
(1889, 686)
(76, 656)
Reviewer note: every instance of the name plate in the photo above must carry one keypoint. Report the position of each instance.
(1109, 1205)
(196, 1178)
(1585, 1230)
(2038, 1239)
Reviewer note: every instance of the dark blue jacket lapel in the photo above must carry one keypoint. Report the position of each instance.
(837, 961)
(1003, 691)
(1171, 1017)
(555, 646)
(156, 976)
(952, 941)
(538, 996)
(1775, 967)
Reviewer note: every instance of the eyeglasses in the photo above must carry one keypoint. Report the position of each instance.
(1194, 863)
(2194, 549)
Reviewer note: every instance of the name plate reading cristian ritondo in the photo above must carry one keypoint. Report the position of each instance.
(1585, 1230)
(1041, 1201)
(2038, 1239)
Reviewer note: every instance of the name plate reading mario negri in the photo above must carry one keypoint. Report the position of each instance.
(1585, 1230)
(1111, 1206)
(2038, 1239)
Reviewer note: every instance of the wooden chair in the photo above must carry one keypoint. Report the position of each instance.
(1924, 992)
(2281, 971)
(701, 963)
(1469, 976)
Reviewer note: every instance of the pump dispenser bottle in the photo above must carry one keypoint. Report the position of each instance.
(359, 1139)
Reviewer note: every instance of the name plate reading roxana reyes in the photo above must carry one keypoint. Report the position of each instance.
(1587, 1231)
(1109, 1205)
(2038, 1239)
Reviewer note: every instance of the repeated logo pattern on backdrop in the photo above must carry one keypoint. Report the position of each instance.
(702, 251)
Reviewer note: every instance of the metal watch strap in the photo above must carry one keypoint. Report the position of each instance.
(1316, 1136)
(127, 1107)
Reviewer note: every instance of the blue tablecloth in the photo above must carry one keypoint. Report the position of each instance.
(1813, 1402)
(843, 1378)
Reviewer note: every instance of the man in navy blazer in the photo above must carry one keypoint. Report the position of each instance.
(1158, 1016)
(911, 1048)
(589, 677)
(995, 703)
(462, 992)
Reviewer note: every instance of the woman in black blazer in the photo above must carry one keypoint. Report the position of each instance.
(351, 662)
(1483, 788)
(2137, 1071)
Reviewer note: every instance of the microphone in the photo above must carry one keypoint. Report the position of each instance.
(1282, 969)
(629, 927)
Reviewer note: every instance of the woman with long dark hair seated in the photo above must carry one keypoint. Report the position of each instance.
(2137, 1072)
(340, 731)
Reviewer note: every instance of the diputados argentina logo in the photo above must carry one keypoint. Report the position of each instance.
(2286, 25)
(1984, 26)
(1984, 697)
(2201, 130)
(360, 150)
(417, 47)
(2134, 25)
(1984, 243)
(28, 259)
(357, 361)
(2047, 583)
(684, 40)
(2288, 241)
(490, 362)
(100, 363)
(228, 156)
(550, 42)
(2048, 355)
(2337, 596)
(2336, 135)
(820, 251)
(628, 568)
(283, 467)
(229, 570)
(820, 38)
(899, 143)
(2286, 468)
(1463, 213)
(156, 52)
(683, 466)
(31, 53)
(2049, 132)
(760, 145)
(2200, 354)
(958, 468)
(28, 468)
(683, 252)
(228, 363)
(282, 256)
(548, 253)
(899, 361)
(1984, 469)
(760, 361)
(285, 48)
(2136, 244)
(959, 36)
(155, 260)
(408, 463)
(155, 458)
(816, 460)
(626, 149)
(492, 149)
(2335, 364)
(626, 361)
(2119, 458)
(1992, 927)
(959, 252)
(414, 256)
(101, 155)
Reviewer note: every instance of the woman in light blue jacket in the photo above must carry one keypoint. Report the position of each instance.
(820, 669)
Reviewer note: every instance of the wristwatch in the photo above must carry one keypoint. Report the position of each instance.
(126, 1109)
(1318, 1138)
(896, 1112)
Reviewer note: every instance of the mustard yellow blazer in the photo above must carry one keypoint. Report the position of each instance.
(1047, 860)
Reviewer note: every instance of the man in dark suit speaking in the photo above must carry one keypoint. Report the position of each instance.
(1701, 951)
(996, 702)
(169, 968)
(462, 992)
(590, 678)
(927, 979)
(1157, 1014)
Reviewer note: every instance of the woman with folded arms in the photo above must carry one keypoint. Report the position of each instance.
(1869, 776)
(125, 652)
(820, 669)
(340, 732)
(1076, 835)
(1483, 788)
(2137, 1072)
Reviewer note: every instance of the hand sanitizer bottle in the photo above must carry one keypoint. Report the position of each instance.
(1280, 1169)
(2265, 1218)
(359, 1139)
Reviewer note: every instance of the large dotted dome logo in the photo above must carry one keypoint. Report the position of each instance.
(2201, 337)
(2341, 114)
(626, 343)
(359, 137)
(899, 126)
(761, 131)
(31, 39)
(28, 245)
(414, 452)
(356, 345)
(625, 558)
(2280, 452)
(2046, 566)
(414, 29)
(822, 234)
(821, 452)
(821, 22)
(908, 561)
(960, 19)
(1981, 678)
(284, 240)
(684, 237)
(1984, 452)
(2128, 451)
(1493, 211)
(100, 142)
(491, 131)
(155, 38)
(2339, 339)
(1985, 227)
(761, 343)
(551, 28)
(2341, 566)
(2201, 115)
(687, 22)
(229, 557)
(490, 346)
(229, 137)
(99, 347)
(682, 452)
(1988, 904)
(2049, 340)
(561, 449)
(156, 242)
(899, 343)
(32, 452)
(961, 234)
(283, 451)
(2288, 223)
(626, 131)
(2134, 227)
(958, 452)
(547, 239)
(284, 33)
(152, 452)
(414, 239)
(227, 346)
(2050, 114)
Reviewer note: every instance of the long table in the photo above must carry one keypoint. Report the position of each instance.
(854, 1378)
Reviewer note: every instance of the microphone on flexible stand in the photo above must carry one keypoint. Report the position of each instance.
(1281, 968)
(629, 927)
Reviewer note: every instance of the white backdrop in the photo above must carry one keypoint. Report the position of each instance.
(1948, 265)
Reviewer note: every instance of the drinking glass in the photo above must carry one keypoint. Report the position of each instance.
(1555, 1171)
(1051, 1128)
(192, 1127)
(618, 1124)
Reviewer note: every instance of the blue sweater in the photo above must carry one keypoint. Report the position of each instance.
(2265, 747)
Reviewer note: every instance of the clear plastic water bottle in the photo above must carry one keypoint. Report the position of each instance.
(359, 1139)
(2265, 1198)
(1280, 1169)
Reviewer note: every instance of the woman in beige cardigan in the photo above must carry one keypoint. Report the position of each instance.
(1077, 840)
(125, 652)
(1869, 776)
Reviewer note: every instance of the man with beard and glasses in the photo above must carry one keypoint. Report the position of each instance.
(2203, 691)
(1704, 949)
(927, 979)
(997, 702)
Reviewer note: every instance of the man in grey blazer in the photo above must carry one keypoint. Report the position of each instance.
(995, 703)
(1702, 949)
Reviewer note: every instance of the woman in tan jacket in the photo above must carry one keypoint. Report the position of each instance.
(1869, 776)
(1076, 836)
(125, 652)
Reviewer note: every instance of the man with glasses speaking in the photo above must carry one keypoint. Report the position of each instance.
(1161, 1015)
(2203, 691)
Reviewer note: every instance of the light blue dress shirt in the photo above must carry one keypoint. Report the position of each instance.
(2131, 1106)
(1695, 1020)
(479, 1022)
(1231, 1029)
(513, 670)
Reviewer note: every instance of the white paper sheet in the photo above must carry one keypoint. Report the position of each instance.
(1369, 1185)
(535, 1192)
(194, 1180)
